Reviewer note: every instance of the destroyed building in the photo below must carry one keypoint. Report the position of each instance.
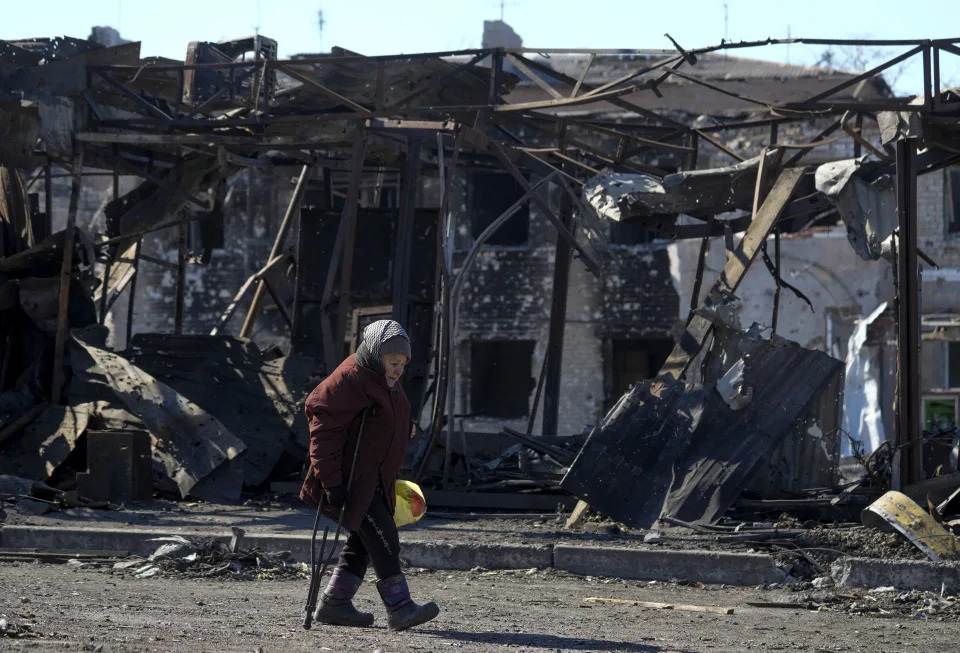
(570, 238)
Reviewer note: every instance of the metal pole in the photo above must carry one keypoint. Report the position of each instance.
(404, 236)
(292, 208)
(181, 278)
(909, 441)
(133, 292)
(66, 273)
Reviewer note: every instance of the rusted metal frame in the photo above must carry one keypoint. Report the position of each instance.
(792, 161)
(671, 61)
(323, 90)
(542, 205)
(631, 137)
(48, 194)
(576, 87)
(719, 89)
(293, 210)
(66, 275)
(534, 77)
(133, 291)
(866, 75)
(403, 245)
(569, 159)
(181, 278)
(134, 96)
(776, 278)
(347, 253)
(720, 146)
(438, 81)
(859, 141)
(817, 109)
(109, 261)
(701, 266)
(909, 426)
(443, 336)
(281, 307)
(235, 302)
(698, 328)
(616, 101)
(558, 312)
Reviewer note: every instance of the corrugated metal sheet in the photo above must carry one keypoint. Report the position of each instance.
(680, 450)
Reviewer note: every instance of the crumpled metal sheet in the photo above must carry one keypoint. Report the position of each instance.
(865, 195)
(675, 449)
(698, 193)
(46, 442)
(862, 401)
(190, 442)
(914, 523)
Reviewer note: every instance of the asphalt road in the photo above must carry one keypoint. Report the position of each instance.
(102, 610)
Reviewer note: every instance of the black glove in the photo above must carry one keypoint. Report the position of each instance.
(336, 496)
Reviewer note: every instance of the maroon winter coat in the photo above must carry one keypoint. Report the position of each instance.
(333, 412)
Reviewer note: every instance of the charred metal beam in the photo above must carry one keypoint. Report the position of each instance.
(66, 274)
(909, 433)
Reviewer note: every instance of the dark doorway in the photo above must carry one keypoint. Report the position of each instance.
(492, 193)
(500, 378)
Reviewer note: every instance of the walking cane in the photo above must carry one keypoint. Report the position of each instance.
(315, 578)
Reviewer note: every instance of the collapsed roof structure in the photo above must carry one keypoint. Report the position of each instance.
(582, 152)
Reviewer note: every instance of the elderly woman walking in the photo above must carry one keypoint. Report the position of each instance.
(363, 390)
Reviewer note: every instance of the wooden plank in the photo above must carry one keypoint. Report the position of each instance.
(698, 328)
(65, 276)
(577, 515)
(656, 605)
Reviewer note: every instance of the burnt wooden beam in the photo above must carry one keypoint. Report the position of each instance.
(293, 209)
(699, 328)
(66, 274)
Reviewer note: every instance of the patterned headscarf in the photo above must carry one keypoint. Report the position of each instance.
(374, 336)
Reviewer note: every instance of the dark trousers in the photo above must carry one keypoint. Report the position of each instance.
(376, 542)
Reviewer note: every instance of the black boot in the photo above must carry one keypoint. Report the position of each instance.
(336, 606)
(402, 612)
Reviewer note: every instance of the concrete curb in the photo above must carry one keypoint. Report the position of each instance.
(666, 564)
(615, 562)
(900, 574)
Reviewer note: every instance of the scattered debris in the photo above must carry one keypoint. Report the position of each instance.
(211, 557)
(654, 605)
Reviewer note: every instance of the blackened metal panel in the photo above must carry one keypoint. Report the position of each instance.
(680, 450)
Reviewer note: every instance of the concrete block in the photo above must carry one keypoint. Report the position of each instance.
(432, 555)
(902, 574)
(119, 469)
(133, 541)
(647, 564)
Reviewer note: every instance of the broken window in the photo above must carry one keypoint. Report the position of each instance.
(953, 364)
(633, 361)
(490, 194)
(952, 201)
(500, 378)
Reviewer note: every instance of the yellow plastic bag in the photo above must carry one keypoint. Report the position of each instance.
(410, 503)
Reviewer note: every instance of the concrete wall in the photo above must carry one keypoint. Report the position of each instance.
(821, 265)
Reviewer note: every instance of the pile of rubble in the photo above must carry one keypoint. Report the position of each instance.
(212, 558)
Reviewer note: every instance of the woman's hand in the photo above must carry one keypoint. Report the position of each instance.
(336, 496)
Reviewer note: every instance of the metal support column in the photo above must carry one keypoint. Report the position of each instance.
(400, 279)
(908, 318)
(181, 277)
(558, 321)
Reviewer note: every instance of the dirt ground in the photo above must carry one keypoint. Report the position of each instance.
(62, 607)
